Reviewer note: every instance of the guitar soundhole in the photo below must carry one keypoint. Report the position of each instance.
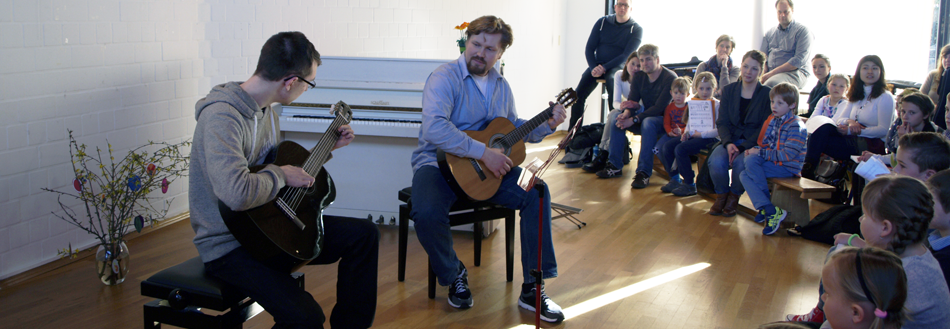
(497, 141)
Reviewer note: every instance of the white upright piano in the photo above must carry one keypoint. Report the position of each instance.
(385, 95)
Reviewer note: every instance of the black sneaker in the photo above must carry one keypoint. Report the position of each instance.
(459, 295)
(610, 171)
(550, 311)
(597, 164)
(640, 181)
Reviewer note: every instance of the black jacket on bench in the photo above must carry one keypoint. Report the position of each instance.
(733, 128)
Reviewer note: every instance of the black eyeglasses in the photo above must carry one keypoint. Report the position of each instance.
(311, 84)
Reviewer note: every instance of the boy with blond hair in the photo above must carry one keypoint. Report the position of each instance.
(780, 153)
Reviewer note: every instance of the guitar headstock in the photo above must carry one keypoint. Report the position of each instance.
(567, 97)
(341, 109)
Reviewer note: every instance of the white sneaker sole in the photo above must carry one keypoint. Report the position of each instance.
(530, 307)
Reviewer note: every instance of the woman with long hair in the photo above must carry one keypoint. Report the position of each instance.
(862, 125)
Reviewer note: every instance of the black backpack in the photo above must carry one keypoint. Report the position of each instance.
(587, 136)
(838, 219)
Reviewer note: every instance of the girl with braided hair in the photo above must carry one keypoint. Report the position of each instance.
(864, 288)
(901, 227)
(897, 211)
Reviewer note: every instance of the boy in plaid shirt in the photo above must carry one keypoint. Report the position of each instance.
(780, 153)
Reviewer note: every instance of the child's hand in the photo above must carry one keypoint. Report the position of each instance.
(865, 156)
(672, 133)
(903, 129)
(752, 151)
(678, 131)
(842, 239)
(684, 137)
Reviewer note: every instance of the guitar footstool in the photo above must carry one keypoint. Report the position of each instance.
(183, 290)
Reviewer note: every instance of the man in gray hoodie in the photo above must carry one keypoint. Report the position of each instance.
(236, 129)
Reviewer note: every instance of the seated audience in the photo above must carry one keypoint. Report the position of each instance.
(622, 81)
(720, 65)
(821, 67)
(745, 106)
(829, 104)
(651, 86)
(779, 153)
(921, 156)
(914, 110)
(861, 125)
(939, 236)
(676, 152)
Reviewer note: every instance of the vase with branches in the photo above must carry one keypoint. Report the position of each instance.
(116, 196)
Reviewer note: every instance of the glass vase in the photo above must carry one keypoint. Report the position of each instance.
(112, 262)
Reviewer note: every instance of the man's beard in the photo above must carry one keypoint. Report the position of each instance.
(472, 69)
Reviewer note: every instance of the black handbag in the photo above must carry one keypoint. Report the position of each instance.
(834, 173)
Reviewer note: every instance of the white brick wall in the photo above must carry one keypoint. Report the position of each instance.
(128, 71)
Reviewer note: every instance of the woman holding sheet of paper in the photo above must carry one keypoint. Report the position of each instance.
(862, 125)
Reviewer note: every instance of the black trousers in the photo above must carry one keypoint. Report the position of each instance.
(585, 87)
(352, 242)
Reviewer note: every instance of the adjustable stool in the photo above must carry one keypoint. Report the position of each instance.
(182, 290)
(463, 212)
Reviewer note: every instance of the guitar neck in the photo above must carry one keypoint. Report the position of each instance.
(519, 133)
(320, 153)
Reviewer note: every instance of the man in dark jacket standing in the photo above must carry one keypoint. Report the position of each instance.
(611, 40)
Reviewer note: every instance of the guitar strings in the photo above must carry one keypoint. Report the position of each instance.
(296, 194)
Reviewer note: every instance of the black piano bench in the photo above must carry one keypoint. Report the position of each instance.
(183, 290)
(464, 211)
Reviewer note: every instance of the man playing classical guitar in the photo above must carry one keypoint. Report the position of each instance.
(467, 94)
(236, 129)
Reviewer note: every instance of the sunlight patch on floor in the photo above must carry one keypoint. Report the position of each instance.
(613, 296)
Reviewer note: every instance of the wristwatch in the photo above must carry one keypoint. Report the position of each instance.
(636, 119)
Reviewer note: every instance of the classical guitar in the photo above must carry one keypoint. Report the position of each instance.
(292, 223)
(471, 176)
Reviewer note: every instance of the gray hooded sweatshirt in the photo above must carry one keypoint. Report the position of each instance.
(233, 133)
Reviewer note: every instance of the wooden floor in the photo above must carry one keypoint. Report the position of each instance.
(631, 236)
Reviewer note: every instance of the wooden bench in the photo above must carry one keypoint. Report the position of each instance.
(793, 193)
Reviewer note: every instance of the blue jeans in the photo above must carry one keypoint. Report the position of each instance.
(432, 198)
(718, 163)
(678, 152)
(650, 130)
(754, 179)
(353, 242)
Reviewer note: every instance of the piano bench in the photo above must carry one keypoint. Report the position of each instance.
(183, 290)
(463, 212)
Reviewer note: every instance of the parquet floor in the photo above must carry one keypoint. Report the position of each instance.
(631, 236)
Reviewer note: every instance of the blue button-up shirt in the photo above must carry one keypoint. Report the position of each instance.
(452, 102)
(789, 45)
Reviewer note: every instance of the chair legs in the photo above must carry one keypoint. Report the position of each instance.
(403, 236)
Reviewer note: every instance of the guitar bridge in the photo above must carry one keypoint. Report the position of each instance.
(284, 208)
(478, 169)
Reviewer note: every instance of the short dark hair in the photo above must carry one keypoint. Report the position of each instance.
(856, 92)
(931, 150)
(922, 101)
(286, 54)
(491, 25)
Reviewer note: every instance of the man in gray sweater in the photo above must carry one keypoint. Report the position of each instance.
(236, 129)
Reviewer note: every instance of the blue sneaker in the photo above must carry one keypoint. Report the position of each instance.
(760, 216)
(774, 221)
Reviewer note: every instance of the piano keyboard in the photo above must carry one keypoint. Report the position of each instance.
(361, 126)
